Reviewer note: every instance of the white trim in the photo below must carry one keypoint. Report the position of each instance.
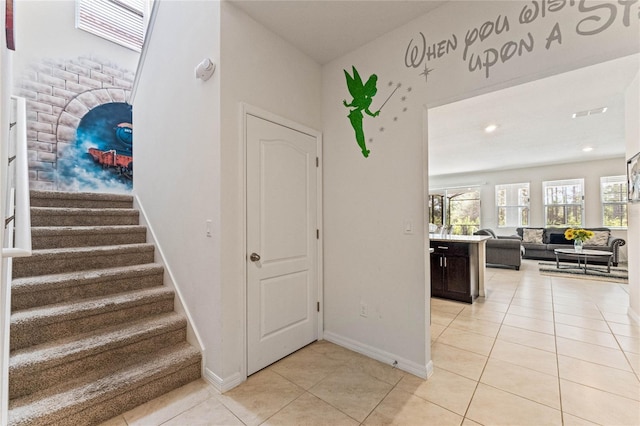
(426, 240)
(422, 371)
(193, 336)
(246, 109)
(145, 47)
(633, 314)
(223, 385)
(320, 223)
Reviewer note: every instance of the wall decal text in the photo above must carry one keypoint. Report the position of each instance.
(481, 52)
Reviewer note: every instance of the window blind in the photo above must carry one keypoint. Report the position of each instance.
(119, 21)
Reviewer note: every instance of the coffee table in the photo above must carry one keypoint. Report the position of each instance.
(583, 256)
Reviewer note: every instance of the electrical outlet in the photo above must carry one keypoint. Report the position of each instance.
(364, 310)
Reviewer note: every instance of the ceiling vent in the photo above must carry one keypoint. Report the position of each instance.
(595, 111)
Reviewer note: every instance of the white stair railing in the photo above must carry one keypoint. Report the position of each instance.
(18, 207)
(16, 220)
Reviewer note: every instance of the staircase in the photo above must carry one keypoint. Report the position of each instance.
(93, 330)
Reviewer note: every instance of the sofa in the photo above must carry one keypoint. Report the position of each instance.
(502, 250)
(539, 243)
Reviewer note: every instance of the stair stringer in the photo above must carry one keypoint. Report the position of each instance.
(193, 336)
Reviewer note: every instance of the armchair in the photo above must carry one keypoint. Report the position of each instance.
(502, 250)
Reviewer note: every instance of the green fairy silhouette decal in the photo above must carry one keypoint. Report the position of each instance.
(362, 97)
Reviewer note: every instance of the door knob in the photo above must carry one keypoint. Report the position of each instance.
(254, 257)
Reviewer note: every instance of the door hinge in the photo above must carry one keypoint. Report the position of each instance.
(317, 161)
(317, 234)
(318, 306)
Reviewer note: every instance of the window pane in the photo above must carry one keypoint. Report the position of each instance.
(502, 216)
(523, 196)
(510, 200)
(556, 215)
(613, 192)
(574, 216)
(524, 216)
(464, 212)
(564, 202)
(615, 215)
(436, 209)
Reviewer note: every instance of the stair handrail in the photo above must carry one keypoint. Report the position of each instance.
(17, 224)
(18, 204)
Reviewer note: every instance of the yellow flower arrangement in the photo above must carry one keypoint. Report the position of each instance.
(578, 234)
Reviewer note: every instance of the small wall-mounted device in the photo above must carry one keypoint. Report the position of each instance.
(205, 69)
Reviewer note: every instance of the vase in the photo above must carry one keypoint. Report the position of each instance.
(577, 245)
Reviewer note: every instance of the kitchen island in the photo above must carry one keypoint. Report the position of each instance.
(458, 266)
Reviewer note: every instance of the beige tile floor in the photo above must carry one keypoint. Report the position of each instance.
(537, 350)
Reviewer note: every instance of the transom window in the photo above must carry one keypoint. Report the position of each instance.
(119, 21)
(613, 194)
(564, 202)
(512, 204)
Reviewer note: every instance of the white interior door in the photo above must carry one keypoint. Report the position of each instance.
(282, 283)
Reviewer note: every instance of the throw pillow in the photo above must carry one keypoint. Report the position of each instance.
(559, 239)
(532, 236)
(599, 238)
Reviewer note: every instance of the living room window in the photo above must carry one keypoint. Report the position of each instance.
(613, 193)
(458, 208)
(564, 202)
(119, 21)
(436, 208)
(512, 204)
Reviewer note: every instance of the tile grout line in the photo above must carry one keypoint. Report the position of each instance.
(626, 357)
(307, 391)
(488, 356)
(555, 343)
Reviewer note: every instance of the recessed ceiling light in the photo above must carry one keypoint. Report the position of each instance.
(587, 149)
(490, 128)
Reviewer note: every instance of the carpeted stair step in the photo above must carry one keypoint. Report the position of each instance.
(80, 199)
(52, 261)
(30, 292)
(39, 367)
(86, 236)
(65, 216)
(104, 394)
(39, 325)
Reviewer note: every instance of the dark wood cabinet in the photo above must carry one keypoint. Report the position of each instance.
(452, 270)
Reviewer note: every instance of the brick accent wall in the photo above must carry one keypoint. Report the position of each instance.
(58, 94)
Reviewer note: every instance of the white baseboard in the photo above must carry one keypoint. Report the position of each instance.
(193, 336)
(429, 369)
(223, 385)
(422, 371)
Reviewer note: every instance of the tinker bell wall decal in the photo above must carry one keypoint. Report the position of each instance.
(362, 97)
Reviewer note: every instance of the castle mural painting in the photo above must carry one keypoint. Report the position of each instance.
(79, 124)
(102, 155)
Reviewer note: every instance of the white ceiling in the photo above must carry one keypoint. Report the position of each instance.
(328, 29)
(534, 119)
(535, 122)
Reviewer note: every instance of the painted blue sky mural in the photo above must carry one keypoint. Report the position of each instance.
(101, 158)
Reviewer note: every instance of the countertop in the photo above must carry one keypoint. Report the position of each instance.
(473, 239)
